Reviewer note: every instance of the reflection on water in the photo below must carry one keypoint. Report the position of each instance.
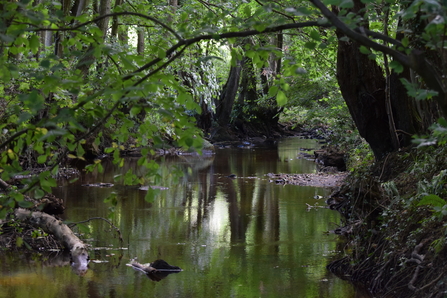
(233, 237)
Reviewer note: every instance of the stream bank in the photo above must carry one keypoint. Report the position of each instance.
(393, 221)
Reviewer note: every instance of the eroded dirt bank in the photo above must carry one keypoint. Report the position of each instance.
(394, 223)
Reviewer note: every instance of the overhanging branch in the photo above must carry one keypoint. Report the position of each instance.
(415, 60)
(358, 37)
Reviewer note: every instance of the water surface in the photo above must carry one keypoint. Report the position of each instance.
(234, 237)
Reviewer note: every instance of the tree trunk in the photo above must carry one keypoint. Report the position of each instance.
(225, 103)
(102, 7)
(140, 41)
(365, 89)
(61, 232)
(103, 24)
(363, 85)
(115, 22)
(248, 94)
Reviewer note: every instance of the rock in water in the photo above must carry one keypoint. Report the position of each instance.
(162, 265)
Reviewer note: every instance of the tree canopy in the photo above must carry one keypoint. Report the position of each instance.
(81, 77)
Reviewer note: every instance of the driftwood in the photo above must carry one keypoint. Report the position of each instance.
(51, 225)
(156, 270)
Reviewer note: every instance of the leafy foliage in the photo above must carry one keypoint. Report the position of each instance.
(75, 82)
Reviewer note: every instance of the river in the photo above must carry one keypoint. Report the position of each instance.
(233, 237)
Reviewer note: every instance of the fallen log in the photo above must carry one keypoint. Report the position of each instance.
(62, 233)
(156, 270)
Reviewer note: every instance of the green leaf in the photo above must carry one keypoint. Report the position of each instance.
(347, 4)
(126, 62)
(161, 53)
(38, 193)
(405, 41)
(299, 11)
(135, 110)
(273, 91)
(396, 66)
(32, 101)
(34, 44)
(442, 122)
(3, 212)
(111, 199)
(315, 35)
(41, 159)
(423, 94)
(151, 194)
(365, 50)
(310, 45)
(433, 200)
(45, 63)
(281, 98)
(26, 204)
(18, 197)
(260, 27)
(247, 11)
(47, 184)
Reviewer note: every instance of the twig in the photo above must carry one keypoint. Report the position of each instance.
(115, 14)
(383, 167)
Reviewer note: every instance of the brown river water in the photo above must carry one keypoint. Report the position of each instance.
(233, 237)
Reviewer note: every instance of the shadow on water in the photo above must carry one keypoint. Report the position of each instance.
(233, 232)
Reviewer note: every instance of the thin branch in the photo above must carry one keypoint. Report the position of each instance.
(104, 219)
(207, 5)
(178, 54)
(115, 14)
(360, 38)
(378, 35)
(234, 34)
(13, 137)
(278, 12)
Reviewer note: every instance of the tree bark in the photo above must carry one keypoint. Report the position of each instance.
(225, 103)
(363, 86)
(61, 232)
(140, 41)
(248, 94)
(115, 22)
(104, 9)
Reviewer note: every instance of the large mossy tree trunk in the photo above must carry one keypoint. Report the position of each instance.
(224, 104)
(383, 112)
(363, 85)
